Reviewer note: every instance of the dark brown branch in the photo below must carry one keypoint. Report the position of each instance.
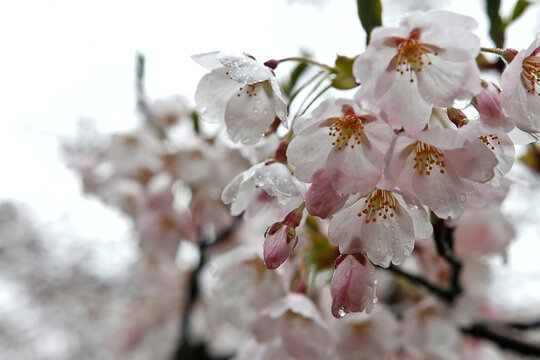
(505, 342)
(524, 326)
(185, 349)
(444, 294)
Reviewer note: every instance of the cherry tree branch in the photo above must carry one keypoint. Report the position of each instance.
(186, 350)
(483, 331)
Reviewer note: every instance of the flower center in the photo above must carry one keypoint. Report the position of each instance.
(490, 140)
(347, 130)
(250, 90)
(530, 76)
(378, 204)
(427, 156)
(412, 54)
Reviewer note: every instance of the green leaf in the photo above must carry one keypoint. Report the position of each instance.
(344, 78)
(369, 12)
(519, 9)
(288, 85)
(497, 26)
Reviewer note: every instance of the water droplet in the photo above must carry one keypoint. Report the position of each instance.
(462, 197)
(376, 281)
(342, 312)
(375, 300)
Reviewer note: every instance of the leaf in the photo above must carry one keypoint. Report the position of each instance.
(369, 12)
(497, 26)
(344, 74)
(519, 9)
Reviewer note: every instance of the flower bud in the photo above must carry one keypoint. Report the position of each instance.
(322, 199)
(353, 285)
(278, 244)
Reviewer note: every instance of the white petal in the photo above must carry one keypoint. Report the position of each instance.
(243, 68)
(208, 60)
(308, 153)
(213, 93)
(249, 113)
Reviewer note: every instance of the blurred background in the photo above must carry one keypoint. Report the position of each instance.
(66, 260)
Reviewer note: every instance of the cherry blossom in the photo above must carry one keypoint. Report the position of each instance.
(483, 232)
(343, 139)
(353, 285)
(428, 60)
(383, 224)
(441, 167)
(373, 336)
(261, 186)
(297, 322)
(428, 331)
(521, 88)
(241, 92)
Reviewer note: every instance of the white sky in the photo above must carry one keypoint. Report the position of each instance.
(61, 60)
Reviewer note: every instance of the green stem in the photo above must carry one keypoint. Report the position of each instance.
(499, 52)
(314, 99)
(303, 86)
(307, 61)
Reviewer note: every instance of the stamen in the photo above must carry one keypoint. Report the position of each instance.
(347, 130)
(412, 54)
(378, 204)
(490, 140)
(426, 157)
(530, 75)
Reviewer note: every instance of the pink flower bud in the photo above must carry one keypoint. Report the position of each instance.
(322, 199)
(353, 285)
(278, 244)
(488, 103)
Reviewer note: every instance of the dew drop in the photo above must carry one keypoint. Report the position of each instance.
(462, 197)
(342, 312)
(375, 300)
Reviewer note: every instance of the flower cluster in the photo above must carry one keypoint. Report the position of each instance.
(372, 174)
(333, 191)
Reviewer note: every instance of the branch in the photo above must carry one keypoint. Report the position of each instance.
(505, 342)
(444, 294)
(186, 350)
(444, 241)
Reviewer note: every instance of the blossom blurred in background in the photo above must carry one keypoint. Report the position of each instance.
(78, 220)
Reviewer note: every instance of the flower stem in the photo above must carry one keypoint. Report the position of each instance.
(307, 61)
(499, 52)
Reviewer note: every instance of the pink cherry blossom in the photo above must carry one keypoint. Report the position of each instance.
(429, 332)
(440, 167)
(521, 88)
(296, 320)
(322, 199)
(353, 285)
(362, 336)
(482, 232)
(278, 244)
(489, 104)
(241, 92)
(383, 224)
(261, 186)
(345, 140)
(428, 60)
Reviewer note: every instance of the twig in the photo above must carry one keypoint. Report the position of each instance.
(186, 350)
(444, 294)
(484, 332)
